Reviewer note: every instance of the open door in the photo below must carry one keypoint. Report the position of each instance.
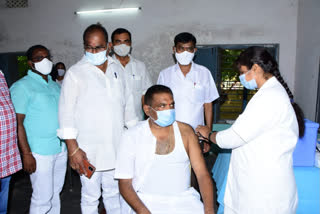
(13, 65)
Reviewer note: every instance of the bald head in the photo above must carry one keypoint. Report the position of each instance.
(94, 30)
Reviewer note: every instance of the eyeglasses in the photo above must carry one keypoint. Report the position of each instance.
(95, 49)
(40, 58)
(182, 49)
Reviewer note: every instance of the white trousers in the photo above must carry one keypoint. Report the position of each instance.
(91, 192)
(47, 182)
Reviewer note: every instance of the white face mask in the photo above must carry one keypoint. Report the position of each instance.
(61, 72)
(184, 58)
(122, 50)
(44, 66)
(97, 58)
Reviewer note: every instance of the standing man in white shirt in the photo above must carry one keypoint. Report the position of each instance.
(137, 78)
(193, 87)
(94, 107)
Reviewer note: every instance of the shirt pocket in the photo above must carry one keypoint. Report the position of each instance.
(136, 82)
(197, 95)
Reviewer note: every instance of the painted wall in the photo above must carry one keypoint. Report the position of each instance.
(308, 56)
(54, 24)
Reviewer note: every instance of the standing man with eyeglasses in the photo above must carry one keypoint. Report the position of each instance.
(134, 71)
(35, 98)
(95, 106)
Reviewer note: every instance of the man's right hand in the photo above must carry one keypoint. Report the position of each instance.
(29, 163)
(76, 161)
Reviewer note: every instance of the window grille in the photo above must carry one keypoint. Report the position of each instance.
(16, 3)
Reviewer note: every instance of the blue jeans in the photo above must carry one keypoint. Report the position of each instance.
(4, 192)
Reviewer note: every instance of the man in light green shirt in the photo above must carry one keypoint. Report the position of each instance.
(35, 98)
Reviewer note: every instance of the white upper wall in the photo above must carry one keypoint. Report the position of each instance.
(54, 24)
(308, 56)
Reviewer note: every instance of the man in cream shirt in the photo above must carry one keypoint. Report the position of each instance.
(94, 107)
(192, 85)
(134, 71)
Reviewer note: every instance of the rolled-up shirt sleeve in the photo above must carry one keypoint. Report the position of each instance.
(67, 103)
(125, 158)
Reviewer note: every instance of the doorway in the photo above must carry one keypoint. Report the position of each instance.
(14, 66)
(317, 119)
(219, 59)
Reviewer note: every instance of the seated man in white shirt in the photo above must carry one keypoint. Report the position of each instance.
(192, 85)
(153, 162)
(134, 71)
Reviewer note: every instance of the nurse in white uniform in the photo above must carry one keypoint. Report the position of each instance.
(262, 139)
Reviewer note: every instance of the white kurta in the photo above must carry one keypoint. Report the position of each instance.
(93, 109)
(190, 92)
(138, 81)
(260, 178)
(162, 182)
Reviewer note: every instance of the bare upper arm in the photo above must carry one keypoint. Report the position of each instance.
(185, 131)
(189, 137)
(193, 149)
(125, 185)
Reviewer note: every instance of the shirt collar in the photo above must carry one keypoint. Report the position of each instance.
(178, 70)
(114, 57)
(38, 77)
(269, 83)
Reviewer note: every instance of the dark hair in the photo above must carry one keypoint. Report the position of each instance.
(155, 89)
(119, 31)
(260, 56)
(54, 72)
(185, 37)
(30, 51)
(95, 27)
(59, 63)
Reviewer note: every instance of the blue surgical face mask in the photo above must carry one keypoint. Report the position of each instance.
(251, 84)
(97, 58)
(165, 117)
